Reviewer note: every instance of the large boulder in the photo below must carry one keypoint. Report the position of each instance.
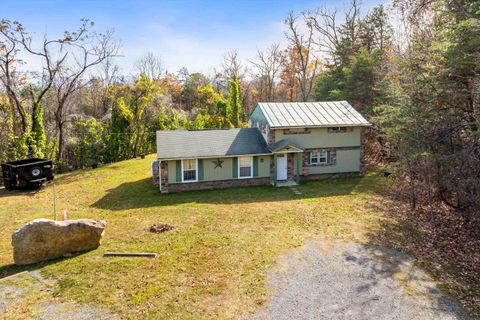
(44, 239)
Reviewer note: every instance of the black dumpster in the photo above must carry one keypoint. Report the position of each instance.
(27, 173)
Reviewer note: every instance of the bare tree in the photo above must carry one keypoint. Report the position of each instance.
(10, 75)
(302, 43)
(268, 64)
(15, 39)
(327, 28)
(150, 65)
(86, 50)
(232, 66)
(109, 74)
(333, 35)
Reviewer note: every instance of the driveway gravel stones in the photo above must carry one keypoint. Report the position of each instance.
(338, 280)
(15, 288)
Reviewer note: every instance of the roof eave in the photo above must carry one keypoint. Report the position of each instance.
(324, 126)
(216, 156)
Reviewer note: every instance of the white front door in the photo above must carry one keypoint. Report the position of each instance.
(282, 167)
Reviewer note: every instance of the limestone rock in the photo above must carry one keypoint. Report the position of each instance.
(44, 239)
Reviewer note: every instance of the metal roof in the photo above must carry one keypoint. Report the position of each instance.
(311, 114)
(182, 144)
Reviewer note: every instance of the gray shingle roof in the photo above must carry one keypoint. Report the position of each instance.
(282, 144)
(181, 144)
(311, 114)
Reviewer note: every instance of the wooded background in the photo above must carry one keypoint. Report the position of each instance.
(412, 70)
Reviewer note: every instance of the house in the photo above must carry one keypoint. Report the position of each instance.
(284, 144)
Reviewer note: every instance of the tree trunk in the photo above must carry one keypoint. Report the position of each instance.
(60, 140)
(136, 142)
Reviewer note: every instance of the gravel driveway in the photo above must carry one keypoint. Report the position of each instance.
(337, 280)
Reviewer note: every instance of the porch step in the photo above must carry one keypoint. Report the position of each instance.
(286, 184)
(295, 191)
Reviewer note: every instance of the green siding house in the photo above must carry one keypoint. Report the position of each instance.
(284, 144)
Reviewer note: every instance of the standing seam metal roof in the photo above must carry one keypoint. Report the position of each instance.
(311, 114)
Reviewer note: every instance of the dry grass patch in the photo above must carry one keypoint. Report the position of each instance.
(212, 265)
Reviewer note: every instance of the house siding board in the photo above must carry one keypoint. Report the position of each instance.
(264, 166)
(258, 115)
(320, 138)
(219, 173)
(258, 120)
(346, 161)
(226, 172)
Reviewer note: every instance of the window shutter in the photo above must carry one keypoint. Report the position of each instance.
(255, 166)
(200, 169)
(235, 167)
(329, 157)
(309, 157)
(179, 170)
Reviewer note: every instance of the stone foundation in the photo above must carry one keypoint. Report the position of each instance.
(155, 172)
(164, 176)
(332, 175)
(221, 184)
(271, 136)
(290, 167)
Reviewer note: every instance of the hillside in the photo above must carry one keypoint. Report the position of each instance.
(212, 265)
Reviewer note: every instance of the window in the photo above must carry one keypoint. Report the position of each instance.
(339, 129)
(296, 131)
(245, 167)
(189, 170)
(319, 157)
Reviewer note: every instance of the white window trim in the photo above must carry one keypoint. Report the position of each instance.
(251, 168)
(196, 171)
(318, 157)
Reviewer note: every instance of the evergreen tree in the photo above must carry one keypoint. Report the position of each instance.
(234, 106)
(39, 140)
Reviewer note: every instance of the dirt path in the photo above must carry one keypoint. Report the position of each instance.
(27, 295)
(337, 280)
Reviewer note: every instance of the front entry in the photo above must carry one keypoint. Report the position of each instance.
(282, 167)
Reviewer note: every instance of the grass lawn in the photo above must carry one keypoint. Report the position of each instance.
(211, 266)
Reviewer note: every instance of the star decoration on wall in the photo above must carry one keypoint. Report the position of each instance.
(218, 163)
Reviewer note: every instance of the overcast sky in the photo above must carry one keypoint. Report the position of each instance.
(194, 34)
